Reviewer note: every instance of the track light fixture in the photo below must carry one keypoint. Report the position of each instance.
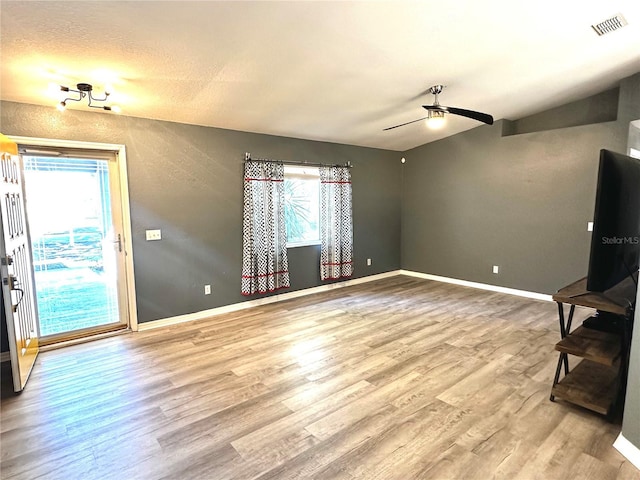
(85, 90)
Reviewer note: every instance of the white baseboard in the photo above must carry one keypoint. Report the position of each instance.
(628, 450)
(330, 286)
(260, 301)
(482, 286)
(322, 288)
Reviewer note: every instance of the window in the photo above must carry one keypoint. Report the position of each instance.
(302, 205)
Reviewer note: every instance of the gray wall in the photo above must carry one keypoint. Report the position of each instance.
(187, 181)
(599, 108)
(631, 419)
(522, 202)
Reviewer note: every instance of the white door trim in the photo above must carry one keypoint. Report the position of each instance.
(120, 151)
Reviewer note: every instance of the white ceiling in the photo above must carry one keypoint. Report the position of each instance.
(337, 71)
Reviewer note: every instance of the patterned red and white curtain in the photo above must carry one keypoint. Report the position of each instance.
(264, 238)
(336, 223)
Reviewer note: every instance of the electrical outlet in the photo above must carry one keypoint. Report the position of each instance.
(154, 235)
(368, 262)
(207, 289)
(496, 269)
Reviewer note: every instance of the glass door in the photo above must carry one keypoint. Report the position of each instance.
(72, 209)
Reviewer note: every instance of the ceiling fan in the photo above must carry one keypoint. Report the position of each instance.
(437, 111)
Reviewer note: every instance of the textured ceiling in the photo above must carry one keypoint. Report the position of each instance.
(332, 71)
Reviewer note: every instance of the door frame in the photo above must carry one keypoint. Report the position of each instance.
(120, 152)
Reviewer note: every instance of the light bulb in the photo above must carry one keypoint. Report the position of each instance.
(435, 123)
(62, 106)
(435, 120)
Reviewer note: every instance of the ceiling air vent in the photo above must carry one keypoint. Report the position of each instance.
(610, 24)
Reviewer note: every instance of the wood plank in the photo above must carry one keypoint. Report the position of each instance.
(264, 437)
(356, 410)
(558, 454)
(587, 467)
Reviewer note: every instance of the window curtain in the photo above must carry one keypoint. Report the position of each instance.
(264, 238)
(336, 223)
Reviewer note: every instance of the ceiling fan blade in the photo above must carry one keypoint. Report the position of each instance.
(481, 117)
(403, 124)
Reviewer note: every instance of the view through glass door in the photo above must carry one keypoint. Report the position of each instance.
(72, 209)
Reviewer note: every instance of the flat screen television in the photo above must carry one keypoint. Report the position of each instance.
(615, 242)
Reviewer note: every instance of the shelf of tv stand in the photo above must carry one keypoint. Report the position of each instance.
(591, 385)
(599, 347)
(617, 300)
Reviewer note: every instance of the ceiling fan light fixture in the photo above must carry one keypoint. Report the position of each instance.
(435, 112)
(435, 120)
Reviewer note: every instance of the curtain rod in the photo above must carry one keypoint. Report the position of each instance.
(247, 157)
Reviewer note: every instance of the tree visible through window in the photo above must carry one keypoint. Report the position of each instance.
(302, 205)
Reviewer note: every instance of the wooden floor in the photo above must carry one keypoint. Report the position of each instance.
(400, 378)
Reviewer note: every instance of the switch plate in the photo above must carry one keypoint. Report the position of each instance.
(154, 235)
(368, 261)
(207, 289)
(496, 269)
(589, 226)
